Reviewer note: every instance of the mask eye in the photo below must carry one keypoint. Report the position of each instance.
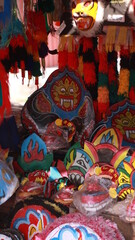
(6, 177)
(81, 163)
(88, 3)
(63, 90)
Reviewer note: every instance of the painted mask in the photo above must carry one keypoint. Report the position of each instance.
(83, 160)
(124, 164)
(107, 141)
(79, 227)
(93, 196)
(31, 219)
(62, 97)
(34, 154)
(39, 176)
(86, 16)
(8, 182)
(34, 214)
(121, 116)
(104, 171)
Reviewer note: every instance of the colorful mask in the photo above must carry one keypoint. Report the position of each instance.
(8, 182)
(62, 97)
(104, 171)
(104, 145)
(107, 141)
(121, 116)
(34, 154)
(88, 16)
(79, 227)
(39, 176)
(83, 160)
(34, 216)
(124, 164)
(93, 196)
(31, 219)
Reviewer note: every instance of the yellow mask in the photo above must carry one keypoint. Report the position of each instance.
(87, 16)
(84, 14)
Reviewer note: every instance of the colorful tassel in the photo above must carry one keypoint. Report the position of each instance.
(5, 105)
(123, 89)
(73, 60)
(122, 38)
(110, 38)
(103, 86)
(112, 77)
(80, 66)
(72, 53)
(4, 57)
(89, 73)
(123, 83)
(62, 58)
(62, 52)
(89, 62)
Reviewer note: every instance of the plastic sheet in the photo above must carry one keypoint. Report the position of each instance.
(93, 196)
(8, 182)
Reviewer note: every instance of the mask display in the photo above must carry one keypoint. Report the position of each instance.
(122, 116)
(123, 162)
(77, 226)
(34, 214)
(63, 96)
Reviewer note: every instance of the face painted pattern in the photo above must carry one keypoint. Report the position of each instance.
(104, 171)
(125, 122)
(33, 148)
(84, 13)
(31, 219)
(80, 166)
(124, 164)
(62, 97)
(34, 154)
(66, 94)
(39, 176)
(93, 196)
(121, 116)
(76, 232)
(125, 181)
